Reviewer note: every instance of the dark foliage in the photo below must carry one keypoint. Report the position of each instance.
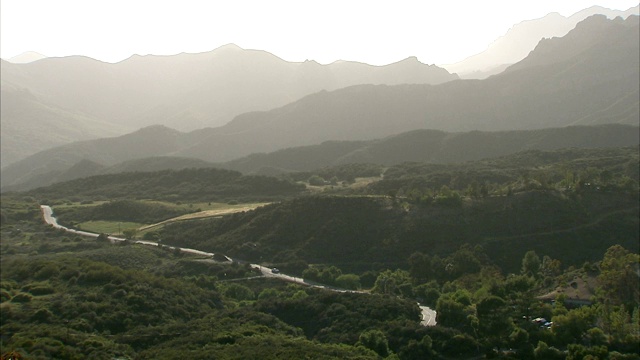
(204, 184)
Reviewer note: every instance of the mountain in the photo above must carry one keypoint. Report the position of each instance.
(595, 86)
(147, 142)
(437, 147)
(26, 57)
(516, 44)
(189, 91)
(30, 125)
(432, 146)
(558, 85)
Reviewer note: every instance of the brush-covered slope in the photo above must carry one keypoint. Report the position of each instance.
(550, 201)
(204, 184)
(419, 145)
(438, 147)
(366, 230)
(44, 167)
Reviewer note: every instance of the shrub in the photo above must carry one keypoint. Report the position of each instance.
(42, 290)
(22, 298)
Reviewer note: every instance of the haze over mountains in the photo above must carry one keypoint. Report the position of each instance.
(55, 101)
(185, 92)
(26, 57)
(516, 44)
(588, 77)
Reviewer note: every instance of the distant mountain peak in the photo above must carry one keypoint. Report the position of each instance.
(522, 38)
(412, 59)
(228, 47)
(156, 129)
(26, 57)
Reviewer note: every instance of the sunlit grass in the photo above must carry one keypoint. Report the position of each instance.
(216, 209)
(203, 206)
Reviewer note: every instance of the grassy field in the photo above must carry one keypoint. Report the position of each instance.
(108, 227)
(193, 210)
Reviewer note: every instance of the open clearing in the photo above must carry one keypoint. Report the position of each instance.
(108, 227)
(223, 210)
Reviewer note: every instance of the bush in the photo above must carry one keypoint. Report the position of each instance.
(22, 298)
(42, 290)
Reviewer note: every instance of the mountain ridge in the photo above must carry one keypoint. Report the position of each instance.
(595, 85)
(520, 39)
(432, 146)
(184, 91)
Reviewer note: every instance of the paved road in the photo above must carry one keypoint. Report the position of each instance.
(428, 315)
(47, 214)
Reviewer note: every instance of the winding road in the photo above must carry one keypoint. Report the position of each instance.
(428, 314)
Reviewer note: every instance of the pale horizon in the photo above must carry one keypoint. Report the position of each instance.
(368, 32)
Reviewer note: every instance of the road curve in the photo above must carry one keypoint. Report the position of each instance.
(428, 315)
(47, 214)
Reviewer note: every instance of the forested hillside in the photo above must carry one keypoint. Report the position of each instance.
(203, 184)
(482, 262)
(268, 209)
(141, 151)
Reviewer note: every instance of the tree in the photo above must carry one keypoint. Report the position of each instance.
(316, 180)
(239, 292)
(570, 328)
(389, 282)
(102, 238)
(550, 267)
(422, 349)
(130, 233)
(618, 276)
(544, 352)
(376, 341)
(531, 264)
(493, 317)
(451, 313)
(348, 281)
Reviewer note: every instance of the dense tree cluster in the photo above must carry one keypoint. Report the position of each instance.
(202, 184)
(381, 230)
(499, 250)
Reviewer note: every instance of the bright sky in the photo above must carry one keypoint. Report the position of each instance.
(370, 31)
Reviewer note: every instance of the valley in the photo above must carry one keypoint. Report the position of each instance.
(230, 204)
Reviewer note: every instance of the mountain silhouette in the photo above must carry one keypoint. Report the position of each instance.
(187, 91)
(521, 39)
(588, 77)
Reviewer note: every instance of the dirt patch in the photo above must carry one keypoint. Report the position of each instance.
(578, 288)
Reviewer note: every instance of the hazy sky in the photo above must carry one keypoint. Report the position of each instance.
(375, 32)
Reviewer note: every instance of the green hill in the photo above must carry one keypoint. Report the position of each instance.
(438, 147)
(204, 184)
